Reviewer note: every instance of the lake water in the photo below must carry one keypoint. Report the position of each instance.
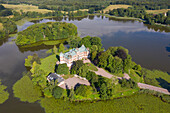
(149, 46)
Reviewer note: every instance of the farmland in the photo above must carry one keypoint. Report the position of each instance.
(111, 7)
(26, 8)
(157, 11)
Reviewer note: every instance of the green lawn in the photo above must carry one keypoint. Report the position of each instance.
(91, 66)
(48, 63)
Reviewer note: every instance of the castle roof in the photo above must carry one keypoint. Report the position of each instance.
(73, 52)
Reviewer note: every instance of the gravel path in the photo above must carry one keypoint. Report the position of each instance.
(104, 73)
(150, 87)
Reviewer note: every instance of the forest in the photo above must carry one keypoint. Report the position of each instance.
(46, 31)
(140, 12)
(4, 11)
(9, 26)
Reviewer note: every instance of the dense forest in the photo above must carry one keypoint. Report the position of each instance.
(139, 12)
(70, 5)
(46, 31)
(4, 11)
(9, 26)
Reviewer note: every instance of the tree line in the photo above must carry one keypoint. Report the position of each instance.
(140, 12)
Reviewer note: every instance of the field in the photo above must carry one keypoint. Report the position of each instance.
(26, 8)
(1, 26)
(140, 103)
(48, 63)
(111, 7)
(76, 11)
(157, 11)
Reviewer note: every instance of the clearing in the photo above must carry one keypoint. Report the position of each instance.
(111, 7)
(1, 26)
(26, 8)
(157, 11)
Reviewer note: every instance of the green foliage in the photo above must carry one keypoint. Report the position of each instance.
(71, 94)
(90, 41)
(29, 61)
(103, 90)
(39, 76)
(61, 48)
(62, 69)
(115, 65)
(83, 90)
(75, 67)
(26, 91)
(4, 11)
(128, 83)
(48, 63)
(55, 50)
(156, 78)
(140, 103)
(3, 94)
(46, 31)
(74, 42)
(83, 71)
(58, 92)
(48, 92)
(9, 26)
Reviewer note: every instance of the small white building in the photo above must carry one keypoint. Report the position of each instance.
(55, 76)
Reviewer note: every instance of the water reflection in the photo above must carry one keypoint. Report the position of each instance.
(3, 41)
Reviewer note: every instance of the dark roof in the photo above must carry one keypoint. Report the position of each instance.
(55, 76)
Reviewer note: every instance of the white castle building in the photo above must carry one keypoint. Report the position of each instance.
(74, 55)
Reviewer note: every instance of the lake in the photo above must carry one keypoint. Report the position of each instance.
(149, 46)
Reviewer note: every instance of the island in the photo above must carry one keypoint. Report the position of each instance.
(85, 71)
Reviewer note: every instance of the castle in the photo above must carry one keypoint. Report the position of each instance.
(74, 55)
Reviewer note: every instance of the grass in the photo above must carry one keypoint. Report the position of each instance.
(91, 66)
(54, 42)
(25, 8)
(157, 11)
(75, 11)
(156, 78)
(48, 63)
(134, 76)
(45, 42)
(139, 103)
(68, 76)
(111, 7)
(1, 26)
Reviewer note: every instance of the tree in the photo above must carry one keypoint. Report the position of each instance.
(61, 48)
(28, 61)
(121, 54)
(96, 41)
(103, 90)
(72, 95)
(3, 94)
(36, 59)
(86, 41)
(58, 92)
(102, 60)
(62, 69)
(55, 50)
(75, 67)
(83, 90)
(26, 91)
(127, 64)
(83, 71)
(93, 55)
